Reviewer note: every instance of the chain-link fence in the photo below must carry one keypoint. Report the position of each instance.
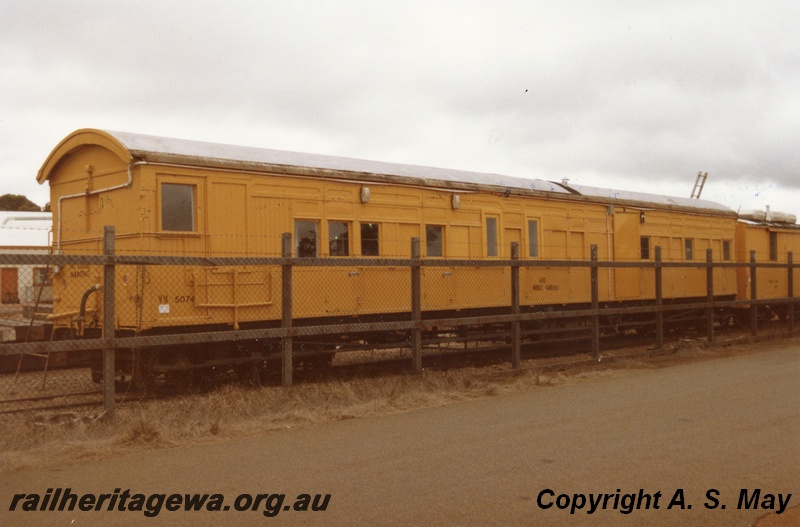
(32, 377)
(80, 330)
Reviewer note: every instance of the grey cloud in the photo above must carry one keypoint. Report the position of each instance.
(544, 89)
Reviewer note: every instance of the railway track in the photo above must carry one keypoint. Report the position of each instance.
(481, 347)
(442, 354)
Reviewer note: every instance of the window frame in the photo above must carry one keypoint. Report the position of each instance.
(534, 244)
(298, 238)
(163, 216)
(726, 250)
(688, 249)
(42, 276)
(644, 247)
(340, 242)
(440, 241)
(492, 246)
(376, 239)
(773, 246)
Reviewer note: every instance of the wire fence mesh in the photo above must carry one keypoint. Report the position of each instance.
(181, 322)
(32, 378)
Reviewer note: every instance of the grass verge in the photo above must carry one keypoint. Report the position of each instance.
(57, 438)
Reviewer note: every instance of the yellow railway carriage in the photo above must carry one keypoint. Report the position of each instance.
(180, 198)
(174, 197)
(771, 239)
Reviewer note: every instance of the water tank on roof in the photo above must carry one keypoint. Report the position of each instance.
(771, 216)
(753, 215)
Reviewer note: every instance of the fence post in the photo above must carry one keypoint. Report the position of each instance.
(710, 295)
(286, 305)
(753, 295)
(109, 319)
(595, 304)
(416, 306)
(515, 325)
(659, 300)
(790, 291)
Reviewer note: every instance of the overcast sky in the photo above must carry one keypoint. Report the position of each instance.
(619, 94)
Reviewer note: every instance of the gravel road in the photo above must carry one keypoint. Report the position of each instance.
(696, 431)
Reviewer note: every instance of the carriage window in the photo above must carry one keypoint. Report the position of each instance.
(688, 244)
(369, 239)
(305, 236)
(773, 246)
(726, 250)
(645, 247)
(491, 236)
(339, 238)
(433, 240)
(177, 207)
(533, 238)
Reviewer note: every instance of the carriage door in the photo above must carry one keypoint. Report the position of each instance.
(10, 286)
(627, 281)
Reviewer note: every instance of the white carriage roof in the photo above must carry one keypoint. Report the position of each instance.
(25, 229)
(772, 225)
(153, 149)
(656, 199)
(144, 144)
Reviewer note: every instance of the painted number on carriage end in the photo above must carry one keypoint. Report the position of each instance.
(79, 271)
(176, 299)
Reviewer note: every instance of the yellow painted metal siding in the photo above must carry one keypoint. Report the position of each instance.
(772, 283)
(626, 249)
